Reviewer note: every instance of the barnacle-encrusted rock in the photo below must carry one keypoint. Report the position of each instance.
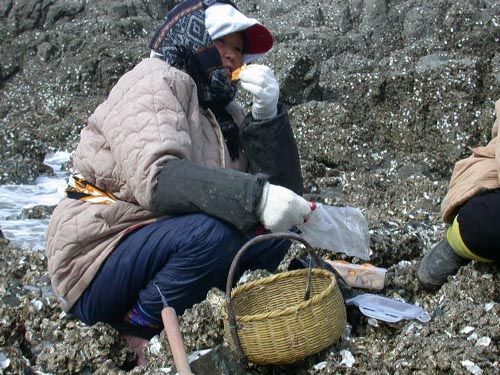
(384, 97)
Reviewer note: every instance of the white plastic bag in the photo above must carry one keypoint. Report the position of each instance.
(387, 309)
(339, 229)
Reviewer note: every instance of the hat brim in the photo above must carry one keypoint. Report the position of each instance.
(257, 39)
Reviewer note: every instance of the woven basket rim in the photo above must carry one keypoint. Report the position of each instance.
(288, 310)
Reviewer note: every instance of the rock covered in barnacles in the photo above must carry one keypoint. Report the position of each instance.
(3, 240)
(249, 276)
(202, 325)
(462, 334)
(13, 361)
(81, 348)
(462, 319)
(219, 361)
(37, 212)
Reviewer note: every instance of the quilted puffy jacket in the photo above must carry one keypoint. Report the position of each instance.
(473, 175)
(151, 116)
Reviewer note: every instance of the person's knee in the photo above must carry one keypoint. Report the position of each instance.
(219, 241)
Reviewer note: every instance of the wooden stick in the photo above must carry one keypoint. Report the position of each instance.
(175, 340)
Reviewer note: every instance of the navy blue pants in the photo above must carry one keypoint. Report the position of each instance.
(185, 256)
(479, 225)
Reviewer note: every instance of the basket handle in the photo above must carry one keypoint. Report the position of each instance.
(232, 271)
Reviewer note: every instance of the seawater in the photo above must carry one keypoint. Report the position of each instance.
(30, 233)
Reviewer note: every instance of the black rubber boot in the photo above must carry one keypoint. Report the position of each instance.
(439, 263)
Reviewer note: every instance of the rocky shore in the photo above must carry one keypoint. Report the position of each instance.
(385, 96)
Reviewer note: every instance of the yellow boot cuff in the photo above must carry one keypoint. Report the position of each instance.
(457, 244)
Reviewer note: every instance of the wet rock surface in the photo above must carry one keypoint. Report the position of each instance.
(384, 96)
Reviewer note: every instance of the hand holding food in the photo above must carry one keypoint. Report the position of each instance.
(261, 82)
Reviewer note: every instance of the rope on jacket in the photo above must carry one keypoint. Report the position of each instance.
(79, 188)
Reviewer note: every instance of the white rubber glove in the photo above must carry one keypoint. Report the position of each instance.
(280, 209)
(260, 81)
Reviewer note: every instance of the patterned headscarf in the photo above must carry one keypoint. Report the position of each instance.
(183, 42)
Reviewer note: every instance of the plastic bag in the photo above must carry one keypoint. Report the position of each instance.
(387, 309)
(339, 229)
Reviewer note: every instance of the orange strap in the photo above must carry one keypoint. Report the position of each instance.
(79, 188)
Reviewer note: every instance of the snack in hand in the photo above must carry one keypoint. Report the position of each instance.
(236, 74)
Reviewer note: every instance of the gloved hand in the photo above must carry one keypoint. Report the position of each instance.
(260, 81)
(281, 209)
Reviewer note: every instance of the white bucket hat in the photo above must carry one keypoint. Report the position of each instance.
(223, 19)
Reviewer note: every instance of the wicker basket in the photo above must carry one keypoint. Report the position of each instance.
(268, 321)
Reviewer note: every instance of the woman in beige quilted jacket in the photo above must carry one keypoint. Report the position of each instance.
(471, 207)
(172, 178)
